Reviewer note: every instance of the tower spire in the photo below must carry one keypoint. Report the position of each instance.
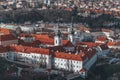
(57, 38)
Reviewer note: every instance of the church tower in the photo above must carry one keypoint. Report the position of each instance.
(58, 38)
(71, 35)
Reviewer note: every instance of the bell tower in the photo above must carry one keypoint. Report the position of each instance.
(57, 38)
(71, 36)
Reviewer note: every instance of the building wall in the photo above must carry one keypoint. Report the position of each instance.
(65, 64)
(100, 42)
(27, 29)
(69, 48)
(28, 39)
(35, 58)
(10, 55)
(4, 54)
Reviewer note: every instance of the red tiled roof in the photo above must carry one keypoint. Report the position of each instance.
(45, 39)
(102, 11)
(27, 49)
(82, 70)
(5, 31)
(67, 43)
(87, 10)
(102, 38)
(96, 11)
(3, 49)
(79, 57)
(113, 43)
(7, 37)
(68, 9)
(43, 36)
(103, 46)
(56, 48)
(90, 53)
(65, 34)
(31, 44)
(117, 43)
(49, 41)
(87, 50)
(25, 35)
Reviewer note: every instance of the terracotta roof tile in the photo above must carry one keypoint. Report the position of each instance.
(67, 43)
(7, 37)
(5, 31)
(45, 39)
(25, 35)
(104, 46)
(31, 44)
(3, 49)
(111, 43)
(27, 49)
(87, 50)
(68, 9)
(102, 38)
(79, 57)
(82, 70)
(117, 43)
(56, 48)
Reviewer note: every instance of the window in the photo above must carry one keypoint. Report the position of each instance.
(56, 41)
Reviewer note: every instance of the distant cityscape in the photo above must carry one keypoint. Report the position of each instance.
(59, 39)
(107, 5)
